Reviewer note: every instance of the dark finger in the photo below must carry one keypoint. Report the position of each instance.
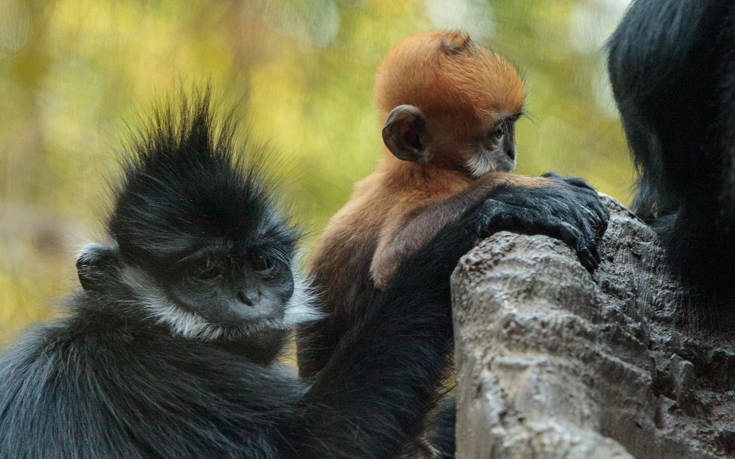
(587, 260)
(553, 175)
(579, 182)
(595, 252)
(574, 238)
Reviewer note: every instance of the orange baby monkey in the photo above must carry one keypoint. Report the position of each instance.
(449, 108)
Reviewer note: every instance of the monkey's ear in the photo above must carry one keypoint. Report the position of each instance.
(405, 134)
(97, 265)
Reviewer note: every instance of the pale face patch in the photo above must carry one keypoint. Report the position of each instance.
(490, 161)
(300, 308)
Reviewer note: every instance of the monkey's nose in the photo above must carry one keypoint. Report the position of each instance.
(511, 152)
(248, 298)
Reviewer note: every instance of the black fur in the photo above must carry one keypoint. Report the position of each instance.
(441, 438)
(110, 380)
(672, 68)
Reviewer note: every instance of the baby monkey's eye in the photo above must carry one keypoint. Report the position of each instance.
(498, 132)
(262, 263)
(205, 270)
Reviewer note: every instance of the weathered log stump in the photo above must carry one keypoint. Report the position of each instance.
(554, 362)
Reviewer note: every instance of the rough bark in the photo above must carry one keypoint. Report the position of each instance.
(554, 362)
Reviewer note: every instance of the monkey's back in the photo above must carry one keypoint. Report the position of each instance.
(341, 261)
(378, 207)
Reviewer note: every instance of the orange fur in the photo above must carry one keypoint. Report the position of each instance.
(459, 86)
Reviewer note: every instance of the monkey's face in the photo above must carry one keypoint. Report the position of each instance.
(214, 293)
(460, 143)
(247, 290)
(494, 148)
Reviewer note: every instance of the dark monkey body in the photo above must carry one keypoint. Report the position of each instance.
(672, 68)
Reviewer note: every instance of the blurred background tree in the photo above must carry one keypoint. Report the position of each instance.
(73, 72)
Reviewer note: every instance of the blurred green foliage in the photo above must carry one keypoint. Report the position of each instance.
(73, 72)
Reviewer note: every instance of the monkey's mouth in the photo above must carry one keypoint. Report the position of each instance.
(233, 331)
(485, 162)
(273, 318)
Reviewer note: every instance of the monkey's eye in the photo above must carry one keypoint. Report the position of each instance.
(262, 263)
(205, 270)
(498, 132)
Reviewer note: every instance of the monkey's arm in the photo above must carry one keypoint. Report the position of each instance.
(370, 398)
(567, 209)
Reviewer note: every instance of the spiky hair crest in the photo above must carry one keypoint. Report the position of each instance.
(184, 185)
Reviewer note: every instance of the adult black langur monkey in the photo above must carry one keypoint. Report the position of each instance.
(672, 68)
(167, 351)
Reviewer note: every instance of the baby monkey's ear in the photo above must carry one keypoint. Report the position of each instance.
(97, 265)
(405, 134)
